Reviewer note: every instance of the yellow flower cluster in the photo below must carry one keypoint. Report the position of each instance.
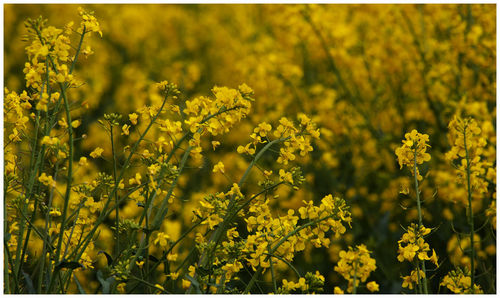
(295, 139)
(52, 43)
(413, 279)
(355, 265)
(310, 284)
(412, 244)
(267, 230)
(468, 143)
(413, 151)
(213, 208)
(217, 115)
(89, 22)
(459, 282)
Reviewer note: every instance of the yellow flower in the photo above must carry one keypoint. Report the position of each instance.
(215, 144)
(97, 152)
(285, 176)
(121, 287)
(172, 257)
(158, 286)
(135, 180)
(413, 149)
(46, 180)
(372, 286)
(358, 258)
(219, 168)
(161, 239)
(125, 129)
(407, 282)
(89, 22)
(263, 129)
(245, 90)
(338, 290)
(407, 252)
(14, 136)
(133, 118)
(76, 123)
(139, 264)
(55, 212)
(83, 161)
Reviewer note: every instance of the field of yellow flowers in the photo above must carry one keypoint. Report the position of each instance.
(249, 149)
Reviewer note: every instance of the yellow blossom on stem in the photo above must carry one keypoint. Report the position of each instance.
(414, 144)
(97, 152)
(219, 168)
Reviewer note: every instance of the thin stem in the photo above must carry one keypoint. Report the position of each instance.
(286, 262)
(277, 245)
(72, 67)
(9, 259)
(31, 184)
(217, 235)
(126, 164)
(419, 284)
(161, 213)
(174, 244)
(419, 209)
(6, 272)
(68, 182)
(70, 158)
(148, 284)
(46, 241)
(471, 214)
(273, 277)
(117, 206)
(354, 277)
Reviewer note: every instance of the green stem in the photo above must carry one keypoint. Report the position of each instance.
(354, 277)
(419, 283)
(148, 284)
(117, 206)
(5, 231)
(471, 214)
(174, 244)
(8, 257)
(419, 209)
(286, 262)
(275, 287)
(163, 210)
(72, 67)
(31, 184)
(277, 245)
(68, 182)
(126, 164)
(46, 240)
(6, 275)
(221, 229)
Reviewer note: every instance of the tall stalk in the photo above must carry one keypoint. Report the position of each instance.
(419, 209)
(354, 277)
(471, 214)
(117, 205)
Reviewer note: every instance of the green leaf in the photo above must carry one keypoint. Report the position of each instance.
(105, 283)
(194, 283)
(29, 283)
